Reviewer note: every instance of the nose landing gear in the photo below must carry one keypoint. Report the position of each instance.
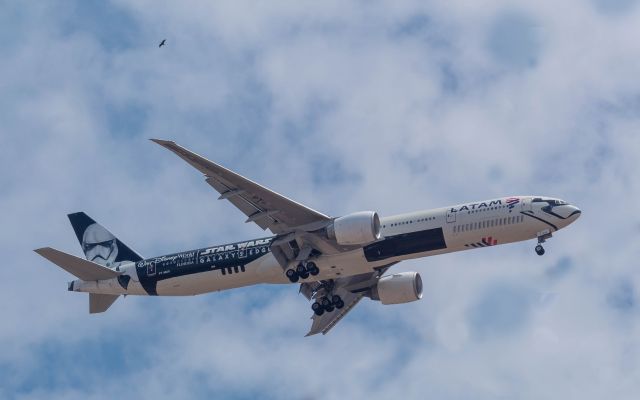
(542, 237)
(302, 271)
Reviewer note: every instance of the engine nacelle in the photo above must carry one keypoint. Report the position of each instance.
(398, 288)
(355, 229)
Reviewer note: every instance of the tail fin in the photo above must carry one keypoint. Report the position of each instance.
(98, 244)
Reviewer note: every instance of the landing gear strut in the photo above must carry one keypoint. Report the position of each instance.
(302, 271)
(324, 304)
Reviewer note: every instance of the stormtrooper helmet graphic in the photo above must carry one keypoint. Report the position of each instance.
(99, 245)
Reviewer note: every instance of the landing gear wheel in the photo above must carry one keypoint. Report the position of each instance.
(326, 304)
(539, 250)
(313, 268)
(292, 275)
(302, 271)
(317, 309)
(335, 299)
(339, 304)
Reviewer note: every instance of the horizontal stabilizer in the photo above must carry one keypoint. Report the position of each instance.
(101, 302)
(79, 267)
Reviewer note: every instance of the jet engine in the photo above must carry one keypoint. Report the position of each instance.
(355, 229)
(398, 288)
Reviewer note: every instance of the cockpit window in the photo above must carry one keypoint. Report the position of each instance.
(551, 202)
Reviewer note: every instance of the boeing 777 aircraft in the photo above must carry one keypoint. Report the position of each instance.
(336, 261)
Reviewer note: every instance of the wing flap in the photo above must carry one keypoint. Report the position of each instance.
(79, 267)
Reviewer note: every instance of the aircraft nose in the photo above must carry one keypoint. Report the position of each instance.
(574, 212)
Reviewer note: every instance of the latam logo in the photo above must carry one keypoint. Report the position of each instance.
(485, 242)
(477, 206)
(511, 202)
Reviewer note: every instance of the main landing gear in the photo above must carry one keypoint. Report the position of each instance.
(541, 239)
(325, 304)
(302, 271)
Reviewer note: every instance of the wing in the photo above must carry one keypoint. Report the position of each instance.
(261, 205)
(351, 289)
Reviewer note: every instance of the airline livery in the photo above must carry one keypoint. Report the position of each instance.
(335, 261)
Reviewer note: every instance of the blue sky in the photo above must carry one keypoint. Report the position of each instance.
(392, 106)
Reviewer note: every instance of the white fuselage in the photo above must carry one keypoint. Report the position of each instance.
(460, 227)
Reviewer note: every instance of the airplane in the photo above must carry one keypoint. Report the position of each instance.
(335, 261)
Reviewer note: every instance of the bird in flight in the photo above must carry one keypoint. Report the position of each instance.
(162, 43)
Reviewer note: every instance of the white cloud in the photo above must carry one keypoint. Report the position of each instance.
(342, 107)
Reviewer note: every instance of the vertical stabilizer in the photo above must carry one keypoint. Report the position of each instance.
(98, 244)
